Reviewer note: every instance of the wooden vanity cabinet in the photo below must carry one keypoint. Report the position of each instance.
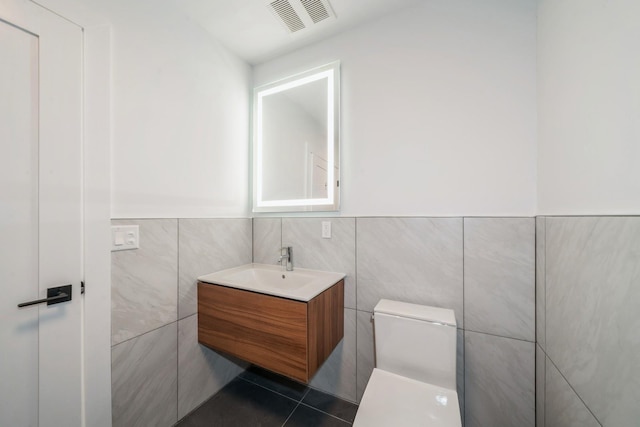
(290, 337)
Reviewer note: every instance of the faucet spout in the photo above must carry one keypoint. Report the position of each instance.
(286, 256)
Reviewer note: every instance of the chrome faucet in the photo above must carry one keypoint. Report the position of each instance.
(286, 256)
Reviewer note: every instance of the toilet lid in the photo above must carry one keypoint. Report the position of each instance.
(393, 400)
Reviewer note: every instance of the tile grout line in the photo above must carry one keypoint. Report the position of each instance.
(178, 319)
(335, 396)
(535, 320)
(544, 403)
(294, 409)
(305, 393)
(355, 253)
(110, 327)
(313, 408)
(499, 336)
(201, 404)
(146, 332)
(464, 340)
(544, 284)
(326, 413)
(545, 289)
(572, 389)
(268, 389)
(299, 402)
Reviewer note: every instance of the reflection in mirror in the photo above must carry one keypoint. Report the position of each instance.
(296, 143)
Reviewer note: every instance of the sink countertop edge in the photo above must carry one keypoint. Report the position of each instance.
(305, 293)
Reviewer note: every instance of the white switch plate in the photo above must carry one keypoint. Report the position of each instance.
(326, 229)
(125, 237)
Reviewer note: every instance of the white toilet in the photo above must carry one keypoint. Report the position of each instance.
(414, 382)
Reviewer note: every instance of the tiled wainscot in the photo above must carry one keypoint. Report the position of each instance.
(482, 268)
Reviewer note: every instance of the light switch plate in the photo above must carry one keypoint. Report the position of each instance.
(326, 229)
(125, 237)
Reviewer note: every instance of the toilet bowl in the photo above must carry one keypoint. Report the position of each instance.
(414, 382)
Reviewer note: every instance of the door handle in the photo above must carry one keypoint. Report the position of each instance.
(55, 295)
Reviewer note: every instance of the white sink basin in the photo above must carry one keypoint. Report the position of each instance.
(300, 284)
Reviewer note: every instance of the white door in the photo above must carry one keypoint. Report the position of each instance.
(40, 216)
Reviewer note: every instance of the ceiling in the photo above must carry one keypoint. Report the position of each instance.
(249, 28)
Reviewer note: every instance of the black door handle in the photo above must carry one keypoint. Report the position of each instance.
(54, 296)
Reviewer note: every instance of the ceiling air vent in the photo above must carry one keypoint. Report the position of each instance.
(316, 10)
(297, 15)
(287, 14)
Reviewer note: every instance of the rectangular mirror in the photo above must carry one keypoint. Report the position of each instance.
(296, 143)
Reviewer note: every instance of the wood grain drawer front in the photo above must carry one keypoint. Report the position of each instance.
(268, 331)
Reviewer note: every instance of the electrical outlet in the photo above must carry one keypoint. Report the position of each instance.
(326, 229)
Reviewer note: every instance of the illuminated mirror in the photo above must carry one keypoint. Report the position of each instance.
(296, 143)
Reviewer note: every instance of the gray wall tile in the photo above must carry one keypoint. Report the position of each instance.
(267, 240)
(201, 371)
(410, 259)
(337, 375)
(541, 233)
(540, 385)
(207, 246)
(310, 250)
(499, 276)
(563, 406)
(499, 381)
(365, 350)
(460, 371)
(144, 281)
(593, 271)
(144, 379)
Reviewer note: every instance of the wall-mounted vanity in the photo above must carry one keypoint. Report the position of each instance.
(288, 322)
(296, 143)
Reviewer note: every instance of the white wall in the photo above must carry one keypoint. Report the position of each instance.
(438, 109)
(180, 116)
(589, 105)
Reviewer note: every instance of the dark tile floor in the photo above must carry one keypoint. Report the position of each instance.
(261, 398)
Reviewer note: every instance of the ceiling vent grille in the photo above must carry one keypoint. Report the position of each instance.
(297, 15)
(316, 10)
(288, 15)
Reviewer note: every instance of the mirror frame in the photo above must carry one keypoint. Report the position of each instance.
(330, 71)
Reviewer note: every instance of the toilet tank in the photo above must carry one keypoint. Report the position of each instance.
(416, 341)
